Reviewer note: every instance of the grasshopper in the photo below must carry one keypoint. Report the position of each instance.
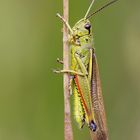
(85, 82)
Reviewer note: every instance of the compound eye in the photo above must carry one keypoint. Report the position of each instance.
(87, 26)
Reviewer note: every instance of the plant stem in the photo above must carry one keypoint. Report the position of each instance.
(68, 134)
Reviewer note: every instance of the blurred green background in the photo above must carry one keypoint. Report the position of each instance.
(31, 96)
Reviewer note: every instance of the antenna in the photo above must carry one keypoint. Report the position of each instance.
(89, 9)
(98, 10)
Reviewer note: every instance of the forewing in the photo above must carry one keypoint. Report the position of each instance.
(97, 103)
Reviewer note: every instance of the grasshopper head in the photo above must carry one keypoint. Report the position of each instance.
(82, 28)
(82, 32)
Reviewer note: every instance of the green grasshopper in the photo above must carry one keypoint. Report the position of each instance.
(85, 84)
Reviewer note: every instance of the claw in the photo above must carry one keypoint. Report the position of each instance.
(56, 71)
(60, 61)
